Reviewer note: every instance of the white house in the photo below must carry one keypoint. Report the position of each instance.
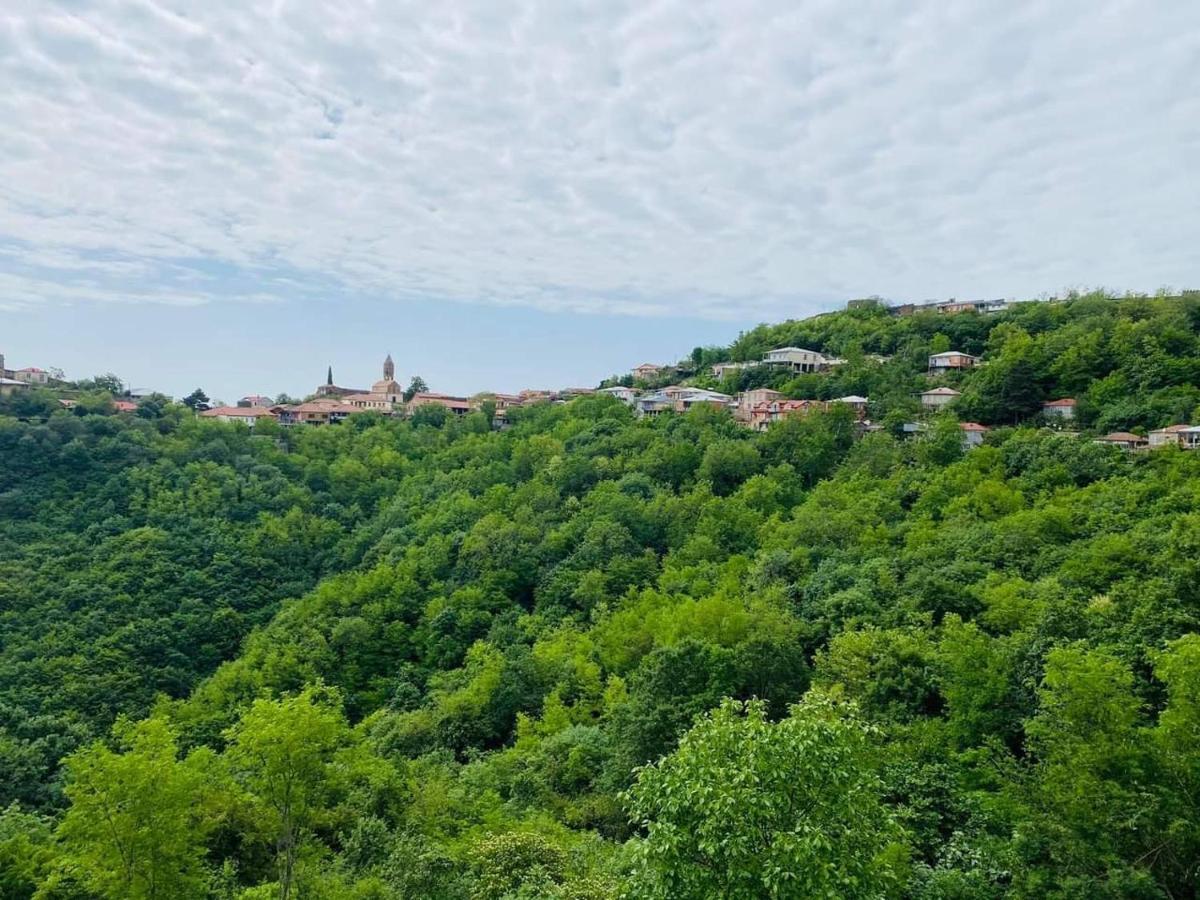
(32, 375)
(720, 370)
(972, 434)
(1175, 435)
(799, 359)
(939, 397)
(1063, 408)
(626, 395)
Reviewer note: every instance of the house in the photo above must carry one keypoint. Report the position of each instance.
(1191, 438)
(855, 402)
(653, 403)
(256, 400)
(764, 414)
(1063, 408)
(972, 434)
(327, 411)
(371, 401)
(507, 401)
(799, 359)
(10, 385)
(1172, 435)
(720, 370)
(125, 406)
(940, 363)
(646, 371)
(939, 397)
(528, 397)
(1125, 440)
(243, 415)
(32, 375)
(747, 400)
(625, 394)
(500, 402)
(689, 397)
(460, 406)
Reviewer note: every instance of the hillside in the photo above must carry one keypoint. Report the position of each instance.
(427, 658)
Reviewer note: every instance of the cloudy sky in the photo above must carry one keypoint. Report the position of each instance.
(236, 193)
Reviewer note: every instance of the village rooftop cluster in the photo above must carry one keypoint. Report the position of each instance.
(756, 409)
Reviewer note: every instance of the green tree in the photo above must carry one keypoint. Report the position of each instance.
(747, 808)
(284, 753)
(726, 464)
(26, 849)
(416, 386)
(139, 818)
(196, 400)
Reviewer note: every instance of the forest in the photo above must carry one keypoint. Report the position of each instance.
(591, 657)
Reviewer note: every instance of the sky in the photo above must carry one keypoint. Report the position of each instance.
(234, 195)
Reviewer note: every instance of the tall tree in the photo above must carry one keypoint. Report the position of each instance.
(416, 386)
(196, 400)
(283, 752)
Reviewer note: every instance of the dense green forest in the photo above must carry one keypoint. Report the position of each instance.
(594, 657)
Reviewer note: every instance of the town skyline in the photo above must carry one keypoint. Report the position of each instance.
(188, 348)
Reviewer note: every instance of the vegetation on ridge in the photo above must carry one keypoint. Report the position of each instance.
(596, 657)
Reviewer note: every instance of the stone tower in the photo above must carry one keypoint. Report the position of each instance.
(329, 377)
(389, 369)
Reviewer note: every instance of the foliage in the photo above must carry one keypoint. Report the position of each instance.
(423, 657)
(747, 808)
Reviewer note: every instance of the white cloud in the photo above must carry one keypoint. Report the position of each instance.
(719, 159)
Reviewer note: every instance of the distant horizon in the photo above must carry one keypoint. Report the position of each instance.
(566, 365)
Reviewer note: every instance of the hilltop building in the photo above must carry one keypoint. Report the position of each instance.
(798, 359)
(329, 389)
(951, 360)
(624, 394)
(459, 406)
(646, 371)
(15, 379)
(384, 396)
(243, 415)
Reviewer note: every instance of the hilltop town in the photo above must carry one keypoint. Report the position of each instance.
(780, 382)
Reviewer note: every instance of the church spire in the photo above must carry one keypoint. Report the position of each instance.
(389, 369)
(329, 377)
